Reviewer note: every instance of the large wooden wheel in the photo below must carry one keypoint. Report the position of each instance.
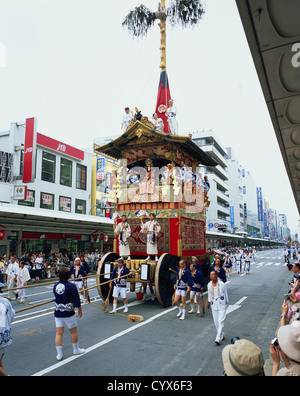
(104, 289)
(164, 278)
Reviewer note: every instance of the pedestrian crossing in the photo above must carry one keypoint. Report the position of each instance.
(274, 263)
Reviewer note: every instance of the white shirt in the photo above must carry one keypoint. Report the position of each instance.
(220, 299)
(12, 269)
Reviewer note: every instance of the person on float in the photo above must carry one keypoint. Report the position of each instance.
(171, 114)
(157, 122)
(124, 231)
(126, 120)
(152, 229)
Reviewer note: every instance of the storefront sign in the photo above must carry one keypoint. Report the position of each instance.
(65, 204)
(63, 148)
(29, 151)
(20, 193)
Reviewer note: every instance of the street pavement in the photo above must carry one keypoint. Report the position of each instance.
(161, 345)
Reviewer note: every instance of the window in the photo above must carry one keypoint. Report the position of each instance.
(80, 206)
(65, 204)
(47, 201)
(81, 177)
(66, 172)
(30, 198)
(48, 167)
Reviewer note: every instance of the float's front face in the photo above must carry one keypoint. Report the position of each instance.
(159, 175)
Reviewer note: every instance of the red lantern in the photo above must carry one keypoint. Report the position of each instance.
(101, 237)
(2, 234)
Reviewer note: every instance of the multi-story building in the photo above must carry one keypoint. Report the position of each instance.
(218, 213)
(236, 198)
(45, 198)
(103, 200)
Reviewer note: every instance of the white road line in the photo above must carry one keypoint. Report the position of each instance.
(231, 308)
(104, 342)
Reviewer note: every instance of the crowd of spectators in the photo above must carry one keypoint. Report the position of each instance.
(42, 266)
(245, 358)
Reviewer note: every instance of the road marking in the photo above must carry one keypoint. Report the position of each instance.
(104, 342)
(230, 309)
(235, 306)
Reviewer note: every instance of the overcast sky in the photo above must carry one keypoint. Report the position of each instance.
(71, 64)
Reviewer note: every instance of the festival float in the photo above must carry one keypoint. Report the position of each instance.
(167, 180)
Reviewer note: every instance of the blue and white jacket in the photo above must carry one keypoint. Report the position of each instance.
(196, 281)
(120, 282)
(182, 282)
(66, 299)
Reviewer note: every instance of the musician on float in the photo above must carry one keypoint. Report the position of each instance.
(124, 231)
(152, 229)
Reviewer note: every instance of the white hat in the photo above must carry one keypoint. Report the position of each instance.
(243, 359)
(289, 340)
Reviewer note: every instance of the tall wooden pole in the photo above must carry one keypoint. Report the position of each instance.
(162, 25)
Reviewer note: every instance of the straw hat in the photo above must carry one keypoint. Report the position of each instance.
(243, 359)
(289, 340)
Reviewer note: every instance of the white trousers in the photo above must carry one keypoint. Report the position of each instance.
(21, 292)
(10, 285)
(219, 319)
(173, 124)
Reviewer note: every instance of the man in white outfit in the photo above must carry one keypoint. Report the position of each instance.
(218, 301)
(171, 114)
(124, 231)
(126, 120)
(152, 229)
(11, 275)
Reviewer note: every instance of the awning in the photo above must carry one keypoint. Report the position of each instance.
(272, 28)
(18, 218)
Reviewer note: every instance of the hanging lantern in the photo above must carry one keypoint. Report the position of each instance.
(2, 235)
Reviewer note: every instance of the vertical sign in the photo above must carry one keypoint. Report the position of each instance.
(259, 204)
(29, 151)
(232, 216)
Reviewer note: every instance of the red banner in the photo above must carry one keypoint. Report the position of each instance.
(29, 151)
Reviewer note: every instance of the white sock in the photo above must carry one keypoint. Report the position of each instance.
(59, 353)
(115, 307)
(76, 348)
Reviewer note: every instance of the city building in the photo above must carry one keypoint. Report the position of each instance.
(103, 200)
(218, 212)
(45, 193)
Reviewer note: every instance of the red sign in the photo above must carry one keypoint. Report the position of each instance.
(29, 151)
(2, 235)
(63, 148)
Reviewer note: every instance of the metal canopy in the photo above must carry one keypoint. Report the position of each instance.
(17, 218)
(272, 28)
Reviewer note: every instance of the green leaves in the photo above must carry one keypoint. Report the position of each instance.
(184, 12)
(139, 21)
